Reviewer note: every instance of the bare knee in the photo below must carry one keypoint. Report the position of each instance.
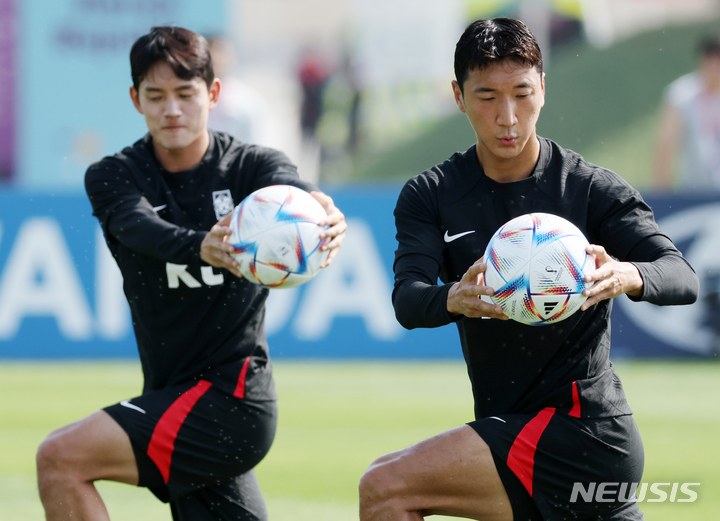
(380, 487)
(49, 454)
(53, 462)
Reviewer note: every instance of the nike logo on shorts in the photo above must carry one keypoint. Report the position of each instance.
(451, 238)
(156, 209)
(126, 403)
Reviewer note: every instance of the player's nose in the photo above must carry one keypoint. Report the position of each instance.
(506, 114)
(172, 107)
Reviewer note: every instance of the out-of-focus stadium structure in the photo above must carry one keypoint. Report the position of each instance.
(64, 104)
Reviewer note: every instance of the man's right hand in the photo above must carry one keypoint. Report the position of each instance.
(464, 296)
(215, 249)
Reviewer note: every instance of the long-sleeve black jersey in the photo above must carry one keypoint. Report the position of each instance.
(187, 315)
(516, 368)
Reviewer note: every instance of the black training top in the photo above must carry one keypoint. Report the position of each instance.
(515, 368)
(187, 316)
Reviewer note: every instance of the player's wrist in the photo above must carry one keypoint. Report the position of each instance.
(450, 303)
(637, 283)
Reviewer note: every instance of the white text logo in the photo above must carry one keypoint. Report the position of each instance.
(611, 492)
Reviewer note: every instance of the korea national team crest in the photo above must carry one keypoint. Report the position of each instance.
(223, 203)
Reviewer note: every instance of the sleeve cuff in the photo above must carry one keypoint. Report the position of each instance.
(451, 317)
(640, 267)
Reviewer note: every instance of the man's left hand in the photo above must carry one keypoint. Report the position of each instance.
(612, 278)
(215, 249)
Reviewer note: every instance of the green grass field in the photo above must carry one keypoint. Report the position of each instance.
(335, 418)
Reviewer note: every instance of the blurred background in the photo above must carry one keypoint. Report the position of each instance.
(357, 93)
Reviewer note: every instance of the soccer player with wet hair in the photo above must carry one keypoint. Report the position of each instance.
(207, 412)
(550, 411)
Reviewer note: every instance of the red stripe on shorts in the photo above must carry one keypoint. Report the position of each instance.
(162, 443)
(240, 388)
(575, 411)
(521, 458)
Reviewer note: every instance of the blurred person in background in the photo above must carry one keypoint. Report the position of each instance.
(351, 76)
(687, 155)
(313, 75)
(207, 412)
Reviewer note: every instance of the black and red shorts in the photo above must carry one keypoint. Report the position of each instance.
(196, 443)
(550, 461)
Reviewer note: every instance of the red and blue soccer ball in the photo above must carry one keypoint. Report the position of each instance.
(536, 263)
(275, 234)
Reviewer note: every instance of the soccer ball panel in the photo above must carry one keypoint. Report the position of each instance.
(549, 307)
(281, 247)
(549, 228)
(493, 278)
(536, 265)
(246, 266)
(276, 236)
(296, 279)
(514, 289)
(553, 270)
(508, 247)
(254, 216)
(575, 247)
(309, 234)
(269, 276)
(300, 207)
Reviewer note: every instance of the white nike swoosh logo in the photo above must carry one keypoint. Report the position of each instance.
(496, 418)
(156, 209)
(451, 238)
(126, 403)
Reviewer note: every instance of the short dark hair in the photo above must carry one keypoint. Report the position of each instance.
(186, 52)
(491, 41)
(709, 45)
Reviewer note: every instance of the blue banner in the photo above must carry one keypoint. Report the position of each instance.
(642, 329)
(61, 294)
(73, 79)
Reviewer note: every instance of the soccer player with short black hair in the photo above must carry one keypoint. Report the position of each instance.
(207, 413)
(550, 411)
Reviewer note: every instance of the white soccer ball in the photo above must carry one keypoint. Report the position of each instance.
(275, 234)
(536, 263)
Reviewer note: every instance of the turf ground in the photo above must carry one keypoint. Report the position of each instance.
(335, 418)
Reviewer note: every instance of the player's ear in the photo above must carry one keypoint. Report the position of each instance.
(135, 96)
(457, 92)
(214, 92)
(542, 88)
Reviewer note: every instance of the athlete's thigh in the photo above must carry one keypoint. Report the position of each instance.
(452, 473)
(92, 448)
(194, 435)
